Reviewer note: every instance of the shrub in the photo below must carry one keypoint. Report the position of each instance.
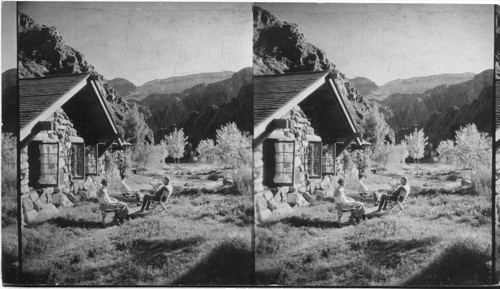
(482, 182)
(9, 165)
(207, 150)
(148, 156)
(244, 180)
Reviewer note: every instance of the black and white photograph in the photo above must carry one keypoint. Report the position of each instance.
(135, 143)
(373, 127)
(235, 144)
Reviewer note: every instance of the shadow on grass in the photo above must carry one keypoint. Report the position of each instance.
(462, 263)
(230, 263)
(267, 277)
(431, 192)
(295, 221)
(75, 223)
(153, 252)
(194, 192)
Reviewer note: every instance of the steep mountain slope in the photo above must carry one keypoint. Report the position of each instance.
(407, 86)
(122, 86)
(412, 109)
(365, 86)
(280, 47)
(203, 125)
(42, 51)
(173, 109)
(440, 126)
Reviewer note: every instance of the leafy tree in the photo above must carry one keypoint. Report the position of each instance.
(206, 149)
(374, 127)
(472, 148)
(415, 144)
(148, 156)
(110, 164)
(175, 144)
(134, 126)
(233, 147)
(447, 152)
(123, 161)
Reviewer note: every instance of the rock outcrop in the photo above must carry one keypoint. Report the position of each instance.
(122, 86)
(174, 109)
(442, 125)
(42, 52)
(409, 110)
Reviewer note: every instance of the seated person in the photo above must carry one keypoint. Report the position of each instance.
(348, 203)
(112, 203)
(125, 189)
(364, 193)
(162, 195)
(399, 194)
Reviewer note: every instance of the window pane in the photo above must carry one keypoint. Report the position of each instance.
(49, 164)
(284, 162)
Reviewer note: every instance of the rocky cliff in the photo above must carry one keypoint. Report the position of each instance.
(408, 110)
(407, 86)
(280, 47)
(203, 124)
(122, 86)
(42, 51)
(442, 125)
(173, 109)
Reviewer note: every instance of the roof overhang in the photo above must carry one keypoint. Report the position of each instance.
(266, 126)
(81, 87)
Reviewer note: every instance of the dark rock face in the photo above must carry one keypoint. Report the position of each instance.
(122, 86)
(173, 109)
(43, 52)
(203, 125)
(409, 110)
(442, 125)
(281, 47)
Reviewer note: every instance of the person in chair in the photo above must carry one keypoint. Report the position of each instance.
(162, 195)
(399, 194)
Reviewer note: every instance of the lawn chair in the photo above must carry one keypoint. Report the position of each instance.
(104, 212)
(341, 211)
(399, 204)
(160, 205)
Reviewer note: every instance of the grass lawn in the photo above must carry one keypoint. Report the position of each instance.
(445, 239)
(206, 239)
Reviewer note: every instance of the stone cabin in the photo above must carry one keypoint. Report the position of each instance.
(301, 124)
(65, 127)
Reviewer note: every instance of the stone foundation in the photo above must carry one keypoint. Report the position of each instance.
(41, 204)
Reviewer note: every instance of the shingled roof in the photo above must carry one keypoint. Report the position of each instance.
(275, 95)
(40, 97)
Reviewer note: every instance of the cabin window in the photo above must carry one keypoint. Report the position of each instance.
(48, 171)
(314, 160)
(78, 161)
(329, 155)
(284, 155)
(91, 160)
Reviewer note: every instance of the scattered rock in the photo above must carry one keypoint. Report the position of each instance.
(27, 205)
(30, 216)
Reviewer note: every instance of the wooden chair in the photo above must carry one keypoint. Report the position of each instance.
(105, 211)
(341, 211)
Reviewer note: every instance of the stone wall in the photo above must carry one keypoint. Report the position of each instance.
(41, 204)
(278, 202)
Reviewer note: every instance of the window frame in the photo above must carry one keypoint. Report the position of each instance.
(270, 163)
(73, 146)
(333, 149)
(39, 168)
(309, 152)
(93, 149)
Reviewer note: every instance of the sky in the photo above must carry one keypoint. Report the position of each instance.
(9, 58)
(146, 41)
(385, 42)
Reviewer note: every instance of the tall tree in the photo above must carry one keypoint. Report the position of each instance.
(134, 126)
(175, 144)
(415, 144)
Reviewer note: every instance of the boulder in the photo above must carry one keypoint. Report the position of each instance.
(60, 199)
(260, 203)
(272, 204)
(30, 216)
(296, 199)
(38, 205)
(33, 196)
(283, 210)
(263, 215)
(48, 212)
(320, 195)
(71, 197)
(268, 195)
(27, 204)
(82, 196)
